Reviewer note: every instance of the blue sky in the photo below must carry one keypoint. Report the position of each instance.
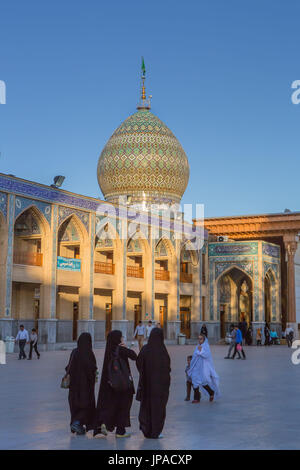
(220, 73)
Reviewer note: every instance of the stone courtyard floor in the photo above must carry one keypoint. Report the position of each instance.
(259, 407)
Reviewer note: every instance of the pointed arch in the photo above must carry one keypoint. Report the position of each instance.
(193, 254)
(77, 223)
(43, 223)
(111, 232)
(230, 268)
(169, 246)
(241, 298)
(143, 240)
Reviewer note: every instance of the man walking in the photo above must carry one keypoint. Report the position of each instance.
(23, 338)
(232, 344)
(33, 344)
(140, 333)
(149, 328)
(238, 344)
(289, 335)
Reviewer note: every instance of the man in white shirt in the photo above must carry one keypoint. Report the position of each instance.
(289, 335)
(140, 333)
(149, 328)
(23, 338)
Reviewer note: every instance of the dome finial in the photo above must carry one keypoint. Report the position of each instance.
(144, 103)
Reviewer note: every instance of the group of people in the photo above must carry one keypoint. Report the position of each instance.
(112, 410)
(242, 334)
(236, 344)
(142, 332)
(23, 338)
(111, 413)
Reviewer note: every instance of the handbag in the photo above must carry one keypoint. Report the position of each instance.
(239, 347)
(65, 381)
(119, 377)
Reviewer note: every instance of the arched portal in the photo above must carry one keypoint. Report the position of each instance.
(31, 232)
(107, 245)
(71, 240)
(235, 299)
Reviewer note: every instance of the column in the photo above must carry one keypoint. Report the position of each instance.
(149, 273)
(86, 322)
(196, 298)
(173, 324)
(6, 320)
(119, 295)
(290, 245)
(47, 323)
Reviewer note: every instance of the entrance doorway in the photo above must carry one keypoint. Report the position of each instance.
(162, 315)
(75, 320)
(108, 318)
(137, 315)
(185, 319)
(222, 320)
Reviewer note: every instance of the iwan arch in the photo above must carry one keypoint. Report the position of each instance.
(71, 263)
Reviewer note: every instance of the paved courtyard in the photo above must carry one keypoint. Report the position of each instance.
(259, 407)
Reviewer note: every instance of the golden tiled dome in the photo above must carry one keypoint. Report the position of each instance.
(143, 160)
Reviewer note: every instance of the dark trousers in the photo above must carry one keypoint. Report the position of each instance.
(22, 343)
(231, 346)
(33, 346)
(289, 340)
(267, 341)
(189, 389)
(236, 351)
(197, 394)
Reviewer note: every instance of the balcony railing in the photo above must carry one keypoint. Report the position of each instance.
(104, 268)
(162, 275)
(135, 271)
(28, 258)
(185, 277)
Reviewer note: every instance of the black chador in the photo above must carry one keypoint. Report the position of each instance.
(113, 407)
(82, 368)
(153, 364)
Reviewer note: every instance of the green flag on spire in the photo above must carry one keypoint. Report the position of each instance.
(143, 67)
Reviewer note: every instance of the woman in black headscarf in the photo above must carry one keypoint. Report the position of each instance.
(82, 368)
(113, 407)
(153, 364)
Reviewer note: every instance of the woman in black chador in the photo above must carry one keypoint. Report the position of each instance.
(113, 407)
(153, 364)
(82, 368)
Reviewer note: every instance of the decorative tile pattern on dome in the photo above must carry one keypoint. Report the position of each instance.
(143, 155)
